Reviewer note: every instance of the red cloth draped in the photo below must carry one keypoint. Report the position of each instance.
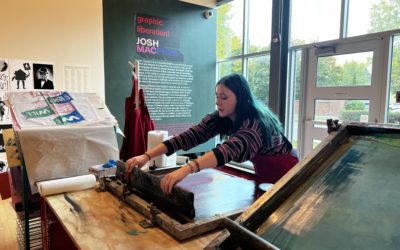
(137, 124)
(270, 168)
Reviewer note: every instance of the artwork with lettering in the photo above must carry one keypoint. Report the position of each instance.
(174, 46)
(24, 75)
(171, 82)
(21, 75)
(5, 117)
(157, 38)
(4, 75)
(57, 105)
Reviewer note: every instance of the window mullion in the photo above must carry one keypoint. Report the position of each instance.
(245, 49)
(344, 18)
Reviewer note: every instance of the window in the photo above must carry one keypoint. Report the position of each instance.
(229, 67)
(293, 97)
(259, 25)
(345, 70)
(243, 42)
(343, 110)
(230, 29)
(370, 16)
(244, 46)
(314, 21)
(394, 86)
(258, 76)
(328, 25)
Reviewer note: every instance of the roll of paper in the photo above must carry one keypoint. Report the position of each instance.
(155, 137)
(171, 160)
(182, 160)
(70, 184)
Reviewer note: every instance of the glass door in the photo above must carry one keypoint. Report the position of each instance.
(343, 82)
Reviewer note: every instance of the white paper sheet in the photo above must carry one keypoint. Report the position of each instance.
(62, 134)
(57, 152)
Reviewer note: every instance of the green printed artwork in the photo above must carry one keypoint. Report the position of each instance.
(40, 112)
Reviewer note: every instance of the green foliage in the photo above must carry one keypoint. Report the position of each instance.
(353, 110)
(328, 73)
(351, 73)
(352, 115)
(354, 105)
(394, 117)
(297, 75)
(356, 74)
(258, 77)
(228, 44)
(386, 16)
(226, 68)
(395, 76)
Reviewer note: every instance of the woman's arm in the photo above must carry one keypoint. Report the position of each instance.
(141, 160)
(208, 160)
(195, 135)
(243, 145)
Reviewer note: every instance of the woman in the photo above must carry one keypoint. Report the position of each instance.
(251, 132)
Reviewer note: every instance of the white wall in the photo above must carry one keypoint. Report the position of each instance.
(65, 32)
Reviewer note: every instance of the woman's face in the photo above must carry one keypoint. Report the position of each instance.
(225, 101)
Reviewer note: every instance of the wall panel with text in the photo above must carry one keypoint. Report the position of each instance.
(174, 46)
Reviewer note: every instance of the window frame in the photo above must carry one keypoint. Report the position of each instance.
(245, 55)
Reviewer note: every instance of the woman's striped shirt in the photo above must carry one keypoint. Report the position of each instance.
(241, 146)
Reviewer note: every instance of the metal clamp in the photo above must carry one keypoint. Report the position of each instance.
(333, 125)
(153, 217)
(103, 186)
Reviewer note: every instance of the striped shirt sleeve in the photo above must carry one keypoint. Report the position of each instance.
(194, 136)
(241, 146)
(247, 142)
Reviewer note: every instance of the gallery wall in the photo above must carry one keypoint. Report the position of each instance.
(66, 33)
(189, 48)
(91, 56)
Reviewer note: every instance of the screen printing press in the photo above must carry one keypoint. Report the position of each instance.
(133, 213)
(344, 195)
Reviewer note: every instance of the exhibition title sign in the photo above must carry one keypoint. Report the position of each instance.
(157, 38)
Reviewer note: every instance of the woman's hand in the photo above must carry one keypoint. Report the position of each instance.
(136, 162)
(169, 181)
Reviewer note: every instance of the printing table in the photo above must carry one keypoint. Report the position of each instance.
(343, 195)
(101, 221)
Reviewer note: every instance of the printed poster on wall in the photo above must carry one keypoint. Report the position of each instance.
(168, 81)
(4, 75)
(43, 76)
(21, 75)
(26, 75)
(5, 117)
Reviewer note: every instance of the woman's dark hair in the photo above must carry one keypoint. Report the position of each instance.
(248, 107)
